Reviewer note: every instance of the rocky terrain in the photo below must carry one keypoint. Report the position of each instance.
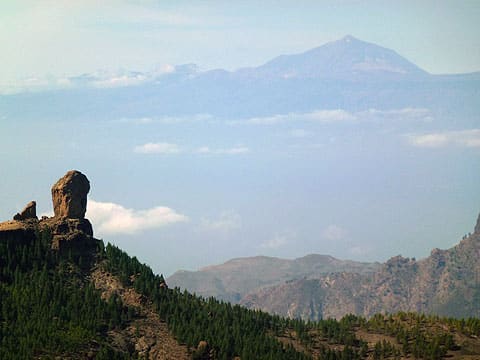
(320, 286)
(445, 283)
(69, 228)
(236, 278)
(147, 333)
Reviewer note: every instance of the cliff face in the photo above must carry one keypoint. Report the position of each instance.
(445, 283)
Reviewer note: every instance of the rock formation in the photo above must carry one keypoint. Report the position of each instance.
(69, 228)
(69, 195)
(29, 212)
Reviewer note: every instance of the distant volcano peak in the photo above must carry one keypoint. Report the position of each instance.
(348, 38)
(347, 58)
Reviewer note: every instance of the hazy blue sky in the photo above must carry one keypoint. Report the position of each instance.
(62, 37)
(183, 191)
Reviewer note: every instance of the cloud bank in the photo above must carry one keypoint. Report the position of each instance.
(229, 151)
(462, 138)
(157, 148)
(170, 148)
(339, 115)
(110, 218)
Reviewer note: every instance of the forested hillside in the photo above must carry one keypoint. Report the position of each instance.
(63, 294)
(50, 308)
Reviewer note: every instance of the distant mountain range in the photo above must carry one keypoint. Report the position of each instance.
(236, 278)
(346, 74)
(318, 286)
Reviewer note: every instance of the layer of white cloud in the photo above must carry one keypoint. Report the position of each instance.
(405, 113)
(462, 138)
(236, 150)
(157, 148)
(110, 218)
(97, 79)
(334, 233)
(226, 222)
(314, 116)
(170, 148)
(339, 115)
(167, 120)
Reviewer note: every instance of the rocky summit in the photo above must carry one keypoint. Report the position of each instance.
(69, 228)
(69, 195)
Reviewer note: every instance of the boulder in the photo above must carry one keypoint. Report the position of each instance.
(69, 195)
(29, 212)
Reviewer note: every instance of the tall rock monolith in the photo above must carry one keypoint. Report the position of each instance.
(69, 195)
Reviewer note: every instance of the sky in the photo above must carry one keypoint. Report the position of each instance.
(185, 191)
(65, 38)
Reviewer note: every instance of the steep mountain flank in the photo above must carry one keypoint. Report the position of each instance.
(445, 283)
(146, 333)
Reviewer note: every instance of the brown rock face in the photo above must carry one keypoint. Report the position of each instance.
(69, 195)
(29, 212)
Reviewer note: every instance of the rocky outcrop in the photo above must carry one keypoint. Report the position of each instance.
(18, 231)
(29, 212)
(69, 228)
(69, 195)
(23, 226)
(70, 234)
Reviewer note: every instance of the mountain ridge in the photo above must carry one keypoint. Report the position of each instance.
(447, 282)
(235, 278)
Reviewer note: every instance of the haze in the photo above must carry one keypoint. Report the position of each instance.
(183, 180)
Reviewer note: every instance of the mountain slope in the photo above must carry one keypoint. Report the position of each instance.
(347, 58)
(445, 283)
(63, 294)
(234, 279)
